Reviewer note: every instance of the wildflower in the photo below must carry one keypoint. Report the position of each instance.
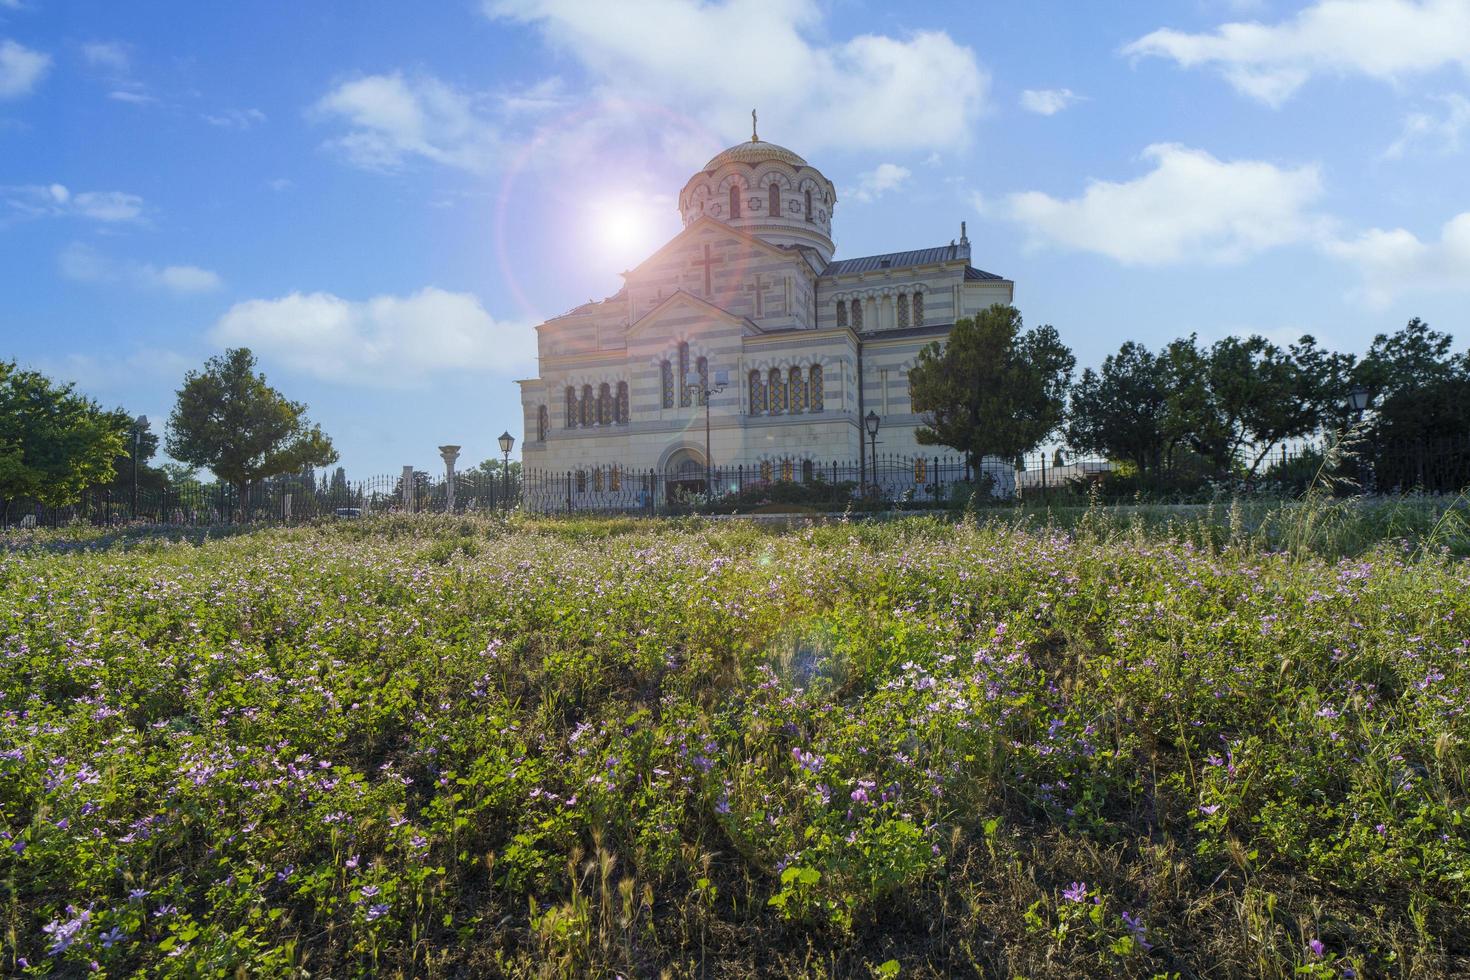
(1317, 948)
(112, 937)
(370, 891)
(137, 894)
(165, 909)
(376, 912)
(1136, 927)
(351, 862)
(63, 934)
(722, 805)
(1208, 810)
(1077, 893)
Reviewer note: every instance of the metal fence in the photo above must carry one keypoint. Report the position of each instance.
(891, 481)
(1434, 466)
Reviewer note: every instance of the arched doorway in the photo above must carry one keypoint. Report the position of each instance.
(684, 473)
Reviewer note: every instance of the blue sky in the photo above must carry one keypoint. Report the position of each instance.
(381, 199)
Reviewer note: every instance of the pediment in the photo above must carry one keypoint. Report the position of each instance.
(707, 231)
(682, 303)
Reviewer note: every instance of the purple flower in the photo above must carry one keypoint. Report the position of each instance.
(369, 891)
(164, 909)
(63, 934)
(1317, 948)
(112, 937)
(137, 894)
(1077, 893)
(376, 912)
(722, 805)
(1208, 810)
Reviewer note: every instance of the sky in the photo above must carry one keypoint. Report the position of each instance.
(382, 199)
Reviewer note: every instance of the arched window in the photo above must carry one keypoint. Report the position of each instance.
(622, 409)
(814, 393)
(796, 391)
(787, 471)
(903, 310)
(666, 383)
(571, 407)
(597, 479)
(841, 312)
(766, 470)
(774, 195)
(684, 374)
(589, 407)
(808, 205)
(777, 391)
(857, 314)
(808, 471)
(615, 478)
(543, 422)
(701, 368)
(918, 309)
(757, 394)
(921, 469)
(581, 481)
(734, 200)
(604, 404)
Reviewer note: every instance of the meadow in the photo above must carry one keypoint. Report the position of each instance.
(1094, 744)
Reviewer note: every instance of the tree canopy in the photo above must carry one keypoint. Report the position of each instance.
(54, 443)
(992, 389)
(227, 418)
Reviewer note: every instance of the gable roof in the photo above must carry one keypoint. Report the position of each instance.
(705, 222)
(684, 298)
(904, 260)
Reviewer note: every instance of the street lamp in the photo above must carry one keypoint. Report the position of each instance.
(506, 442)
(139, 424)
(1357, 400)
(870, 422)
(695, 385)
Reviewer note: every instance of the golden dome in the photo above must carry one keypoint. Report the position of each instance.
(753, 152)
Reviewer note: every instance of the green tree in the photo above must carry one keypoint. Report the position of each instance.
(1413, 357)
(54, 443)
(228, 419)
(150, 478)
(1120, 411)
(992, 389)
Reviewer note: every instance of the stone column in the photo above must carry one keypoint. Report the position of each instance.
(408, 489)
(450, 454)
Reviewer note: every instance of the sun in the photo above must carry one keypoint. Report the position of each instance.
(623, 230)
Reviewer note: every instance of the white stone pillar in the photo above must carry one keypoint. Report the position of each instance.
(408, 489)
(449, 454)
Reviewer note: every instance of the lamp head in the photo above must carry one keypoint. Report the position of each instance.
(1358, 398)
(871, 421)
(506, 442)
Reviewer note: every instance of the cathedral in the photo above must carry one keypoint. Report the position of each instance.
(748, 308)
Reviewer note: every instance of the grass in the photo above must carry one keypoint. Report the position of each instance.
(1138, 743)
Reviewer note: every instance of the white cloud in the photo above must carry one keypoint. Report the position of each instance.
(234, 118)
(20, 69)
(55, 200)
(85, 264)
(1440, 132)
(882, 178)
(1391, 262)
(386, 341)
(131, 97)
(1048, 101)
(392, 118)
(1382, 39)
(1190, 207)
(279, 184)
(110, 56)
(714, 60)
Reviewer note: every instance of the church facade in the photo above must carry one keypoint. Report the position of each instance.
(748, 304)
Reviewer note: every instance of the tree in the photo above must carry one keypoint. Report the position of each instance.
(992, 390)
(1413, 357)
(150, 478)
(54, 443)
(228, 419)
(1121, 411)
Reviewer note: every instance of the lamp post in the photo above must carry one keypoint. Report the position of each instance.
(506, 442)
(870, 422)
(695, 385)
(139, 424)
(1357, 400)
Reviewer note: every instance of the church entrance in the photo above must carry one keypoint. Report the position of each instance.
(684, 475)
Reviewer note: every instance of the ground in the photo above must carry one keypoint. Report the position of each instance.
(1229, 743)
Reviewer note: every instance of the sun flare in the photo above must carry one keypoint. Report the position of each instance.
(623, 230)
